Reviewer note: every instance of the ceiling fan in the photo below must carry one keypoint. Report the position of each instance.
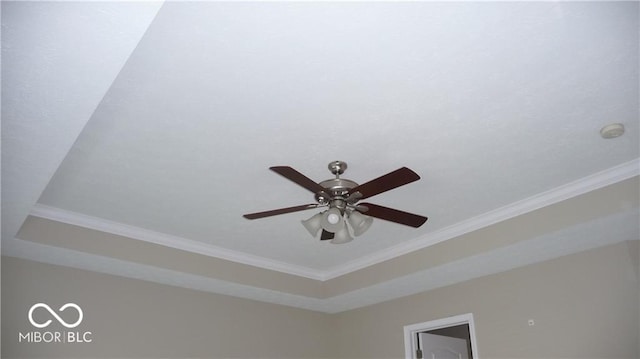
(341, 196)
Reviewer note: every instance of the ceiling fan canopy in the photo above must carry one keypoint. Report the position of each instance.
(342, 197)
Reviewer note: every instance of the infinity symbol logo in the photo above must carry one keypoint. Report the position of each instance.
(46, 324)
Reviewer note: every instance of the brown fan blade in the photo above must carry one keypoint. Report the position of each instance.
(326, 235)
(297, 177)
(394, 215)
(397, 178)
(276, 212)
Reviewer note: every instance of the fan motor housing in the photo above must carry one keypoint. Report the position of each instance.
(338, 186)
(337, 189)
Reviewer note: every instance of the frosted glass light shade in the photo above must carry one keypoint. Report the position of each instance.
(359, 222)
(342, 235)
(313, 224)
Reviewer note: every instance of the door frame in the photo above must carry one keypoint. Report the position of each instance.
(410, 331)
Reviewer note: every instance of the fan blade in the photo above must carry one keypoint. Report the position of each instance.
(394, 215)
(297, 177)
(276, 212)
(326, 235)
(397, 178)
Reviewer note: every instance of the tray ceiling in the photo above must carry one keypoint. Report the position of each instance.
(161, 127)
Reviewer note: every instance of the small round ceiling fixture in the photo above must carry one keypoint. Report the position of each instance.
(612, 131)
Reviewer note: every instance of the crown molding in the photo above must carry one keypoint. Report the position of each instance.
(587, 184)
(70, 258)
(546, 247)
(163, 239)
(598, 180)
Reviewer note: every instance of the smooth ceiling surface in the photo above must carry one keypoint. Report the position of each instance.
(491, 103)
(494, 104)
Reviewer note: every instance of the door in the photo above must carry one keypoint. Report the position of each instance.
(440, 347)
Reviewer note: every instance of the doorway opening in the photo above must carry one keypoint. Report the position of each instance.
(447, 338)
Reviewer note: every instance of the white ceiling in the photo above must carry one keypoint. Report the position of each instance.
(177, 114)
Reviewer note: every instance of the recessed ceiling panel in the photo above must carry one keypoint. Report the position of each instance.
(490, 103)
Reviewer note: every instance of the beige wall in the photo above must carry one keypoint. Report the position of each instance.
(136, 319)
(584, 305)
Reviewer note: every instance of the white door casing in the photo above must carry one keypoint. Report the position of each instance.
(411, 333)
